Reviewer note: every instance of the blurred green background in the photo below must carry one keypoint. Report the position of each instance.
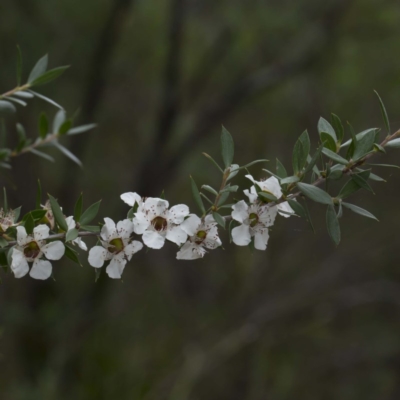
(302, 320)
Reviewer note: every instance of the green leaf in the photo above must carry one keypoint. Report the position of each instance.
(58, 120)
(359, 210)
(29, 224)
(290, 179)
(49, 76)
(364, 145)
(90, 213)
(78, 208)
(37, 214)
(72, 235)
(43, 126)
(97, 274)
(325, 126)
(314, 193)
(384, 113)
(353, 143)
(379, 148)
(17, 213)
(40, 96)
(81, 129)
(332, 223)
(230, 189)
(7, 108)
(297, 208)
(65, 126)
(395, 143)
(18, 101)
(210, 189)
(39, 69)
(252, 163)
(58, 214)
(328, 141)
(90, 228)
(313, 160)
(38, 194)
(224, 196)
(72, 255)
(334, 156)
(19, 66)
(361, 182)
(67, 153)
(385, 165)
(228, 147)
(5, 201)
(23, 94)
(338, 127)
(266, 196)
(300, 152)
(280, 169)
(196, 195)
(219, 219)
(3, 242)
(41, 154)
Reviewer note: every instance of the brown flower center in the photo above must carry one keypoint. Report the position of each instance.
(200, 236)
(253, 217)
(31, 250)
(159, 223)
(116, 245)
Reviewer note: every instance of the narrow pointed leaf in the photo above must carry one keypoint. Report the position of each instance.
(314, 193)
(359, 210)
(196, 195)
(81, 129)
(338, 127)
(325, 126)
(43, 125)
(334, 156)
(90, 213)
(67, 153)
(49, 76)
(39, 69)
(50, 101)
(41, 154)
(72, 235)
(227, 147)
(78, 208)
(332, 223)
(384, 113)
(58, 214)
(280, 169)
(219, 219)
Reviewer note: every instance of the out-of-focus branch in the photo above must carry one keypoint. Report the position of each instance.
(299, 56)
(170, 100)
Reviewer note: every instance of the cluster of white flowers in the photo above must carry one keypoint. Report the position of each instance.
(155, 221)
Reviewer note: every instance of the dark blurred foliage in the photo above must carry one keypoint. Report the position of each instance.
(302, 320)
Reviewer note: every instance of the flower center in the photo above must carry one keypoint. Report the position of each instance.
(31, 250)
(253, 217)
(116, 245)
(159, 223)
(200, 236)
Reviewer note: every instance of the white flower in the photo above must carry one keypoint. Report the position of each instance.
(72, 225)
(131, 198)
(272, 186)
(6, 220)
(33, 248)
(202, 234)
(255, 219)
(48, 217)
(116, 247)
(156, 222)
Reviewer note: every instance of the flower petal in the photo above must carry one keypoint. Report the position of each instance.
(241, 235)
(80, 243)
(153, 239)
(131, 198)
(267, 215)
(125, 228)
(108, 229)
(212, 240)
(70, 222)
(41, 269)
(286, 208)
(176, 235)
(97, 256)
(41, 232)
(190, 251)
(191, 224)
(178, 213)
(19, 265)
(132, 248)
(261, 239)
(140, 223)
(272, 185)
(155, 205)
(116, 267)
(240, 211)
(22, 236)
(54, 250)
(251, 194)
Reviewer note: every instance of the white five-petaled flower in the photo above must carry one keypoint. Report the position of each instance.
(31, 249)
(131, 198)
(202, 234)
(271, 186)
(255, 219)
(156, 222)
(116, 247)
(72, 225)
